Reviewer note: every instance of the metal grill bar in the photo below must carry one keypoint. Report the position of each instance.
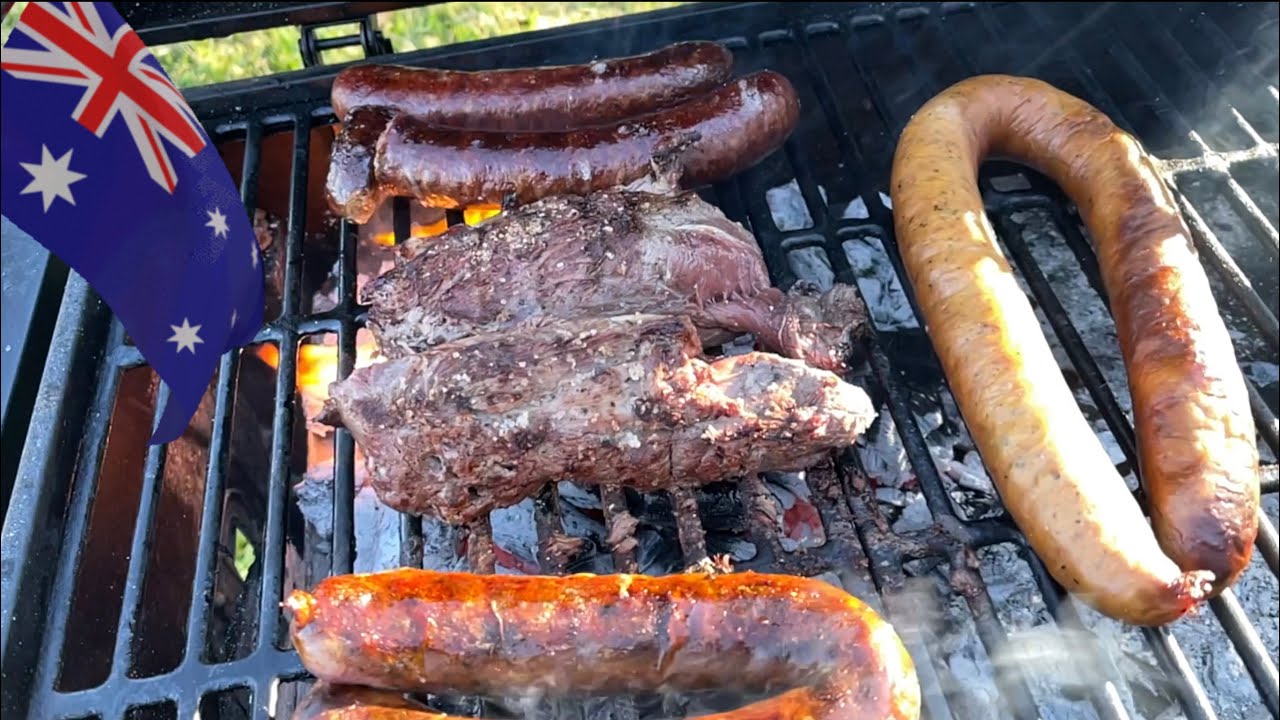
(84, 486)
(343, 444)
(140, 550)
(286, 379)
(211, 516)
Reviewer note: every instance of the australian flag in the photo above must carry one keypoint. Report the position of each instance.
(105, 165)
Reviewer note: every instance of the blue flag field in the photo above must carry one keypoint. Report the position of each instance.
(105, 165)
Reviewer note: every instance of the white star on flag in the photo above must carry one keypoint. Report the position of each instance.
(51, 178)
(185, 336)
(233, 318)
(218, 222)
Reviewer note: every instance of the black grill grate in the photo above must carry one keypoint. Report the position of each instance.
(1196, 83)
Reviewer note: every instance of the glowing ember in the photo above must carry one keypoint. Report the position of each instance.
(318, 366)
(388, 239)
(472, 215)
(477, 214)
(269, 354)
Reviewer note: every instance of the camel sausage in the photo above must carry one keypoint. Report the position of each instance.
(540, 98)
(1199, 461)
(709, 138)
(827, 654)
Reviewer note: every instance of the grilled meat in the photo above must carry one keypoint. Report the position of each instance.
(486, 421)
(614, 252)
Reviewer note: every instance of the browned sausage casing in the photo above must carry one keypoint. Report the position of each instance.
(540, 98)
(1199, 458)
(423, 631)
(351, 188)
(712, 137)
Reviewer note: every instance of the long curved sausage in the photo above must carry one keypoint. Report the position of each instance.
(539, 98)
(708, 138)
(411, 630)
(1198, 453)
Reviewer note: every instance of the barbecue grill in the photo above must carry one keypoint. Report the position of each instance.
(121, 597)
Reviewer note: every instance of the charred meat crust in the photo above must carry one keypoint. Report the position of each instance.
(609, 253)
(486, 421)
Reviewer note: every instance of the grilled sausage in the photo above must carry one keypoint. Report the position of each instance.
(1199, 459)
(706, 139)
(542, 98)
(351, 188)
(348, 702)
(422, 631)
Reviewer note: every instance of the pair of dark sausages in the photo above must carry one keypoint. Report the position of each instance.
(455, 138)
(826, 654)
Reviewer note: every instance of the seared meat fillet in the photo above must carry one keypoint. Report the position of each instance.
(611, 253)
(486, 421)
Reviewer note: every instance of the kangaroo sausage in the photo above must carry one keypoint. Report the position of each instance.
(541, 98)
(414, 630)
(1199, 460)
(710, 137)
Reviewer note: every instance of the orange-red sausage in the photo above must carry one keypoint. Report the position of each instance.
(830, 656)
(1198, 454)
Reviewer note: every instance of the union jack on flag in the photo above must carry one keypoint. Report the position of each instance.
(104, 163)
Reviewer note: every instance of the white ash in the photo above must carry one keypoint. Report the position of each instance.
(314, 497)
(440, 547)
(931, 610)
(514, 530)
(811, 264)
(884, 459)
(786, 487)
(578, 496)
(787, 206)
(855, 210)
(915, 516)
(376, 526)
(740, 345)
(892, 496)
(377, 530)
(1050, 659)
(880, 285)
(1247, 250)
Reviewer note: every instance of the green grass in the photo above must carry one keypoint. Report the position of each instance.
(204, 62)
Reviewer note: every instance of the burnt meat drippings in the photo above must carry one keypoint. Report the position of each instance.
(610, 253)
(486, 421)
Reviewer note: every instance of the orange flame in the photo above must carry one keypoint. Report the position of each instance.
(477, 214)
(318, 365)
(472, 215)
(269, 354)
